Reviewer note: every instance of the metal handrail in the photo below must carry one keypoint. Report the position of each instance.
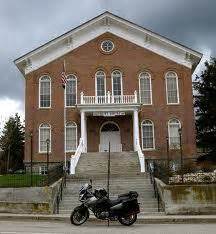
(59, 195)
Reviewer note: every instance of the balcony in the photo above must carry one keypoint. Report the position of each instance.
(108, 99)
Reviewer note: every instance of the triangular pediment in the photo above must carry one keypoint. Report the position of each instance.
(99, 25)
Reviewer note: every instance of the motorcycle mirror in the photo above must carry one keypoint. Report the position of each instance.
(91, 181)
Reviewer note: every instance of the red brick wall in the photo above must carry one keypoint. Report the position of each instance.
(131, 60)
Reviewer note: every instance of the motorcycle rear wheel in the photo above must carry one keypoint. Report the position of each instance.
(128, 220)
(78, 217)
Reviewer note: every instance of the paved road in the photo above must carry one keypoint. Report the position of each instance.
(24, 227)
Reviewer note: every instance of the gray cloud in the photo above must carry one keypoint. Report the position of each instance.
(26, 24)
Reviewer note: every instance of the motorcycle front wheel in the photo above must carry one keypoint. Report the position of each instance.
(78, 217)
(128, 220)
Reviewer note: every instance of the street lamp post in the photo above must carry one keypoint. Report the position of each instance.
(48, 146)
(181, 153)
(31, 153)
(168, 157)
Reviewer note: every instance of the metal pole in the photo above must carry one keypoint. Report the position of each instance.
(65, 155)
(8, 159)
(31, 153)
(108, 176)
(168, 156)
(47, 141)
(181, 153)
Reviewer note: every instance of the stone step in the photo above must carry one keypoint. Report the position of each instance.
(125, 176)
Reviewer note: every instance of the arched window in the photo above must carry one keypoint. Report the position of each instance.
(145, 88)
(172, 91)
(70, 137)
(173, 130)
(116, 83)
(71, 91)
(100, 83)
(45, 92)
(147, 129)
(44, 135)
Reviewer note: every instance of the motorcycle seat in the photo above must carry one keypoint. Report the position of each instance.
(114, 202)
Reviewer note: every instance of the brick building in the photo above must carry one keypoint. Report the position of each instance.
(125, 85)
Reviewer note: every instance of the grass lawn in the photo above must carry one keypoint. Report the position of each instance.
(10, 181)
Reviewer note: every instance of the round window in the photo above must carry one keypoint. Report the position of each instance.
(107, 46)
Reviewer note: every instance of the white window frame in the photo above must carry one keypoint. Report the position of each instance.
(121, 83)
(150, 81)
(68, 78)
(153, 134)
(179, 123)
(39, 101)
(44, 169)
(50, 143)
(96, 83)
(177, 87)
(75, 126)
(113, 46)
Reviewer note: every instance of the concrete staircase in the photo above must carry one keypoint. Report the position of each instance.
(125, 176)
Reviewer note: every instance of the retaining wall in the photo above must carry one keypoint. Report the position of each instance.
(188, 199)
(32, 200)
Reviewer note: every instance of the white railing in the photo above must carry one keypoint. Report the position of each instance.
(75, 158)
(141, 158)
(108, 99)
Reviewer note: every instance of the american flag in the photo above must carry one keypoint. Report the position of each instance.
(63, 76)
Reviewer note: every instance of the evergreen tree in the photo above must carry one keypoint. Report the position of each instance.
(205, 104)
(12, 143)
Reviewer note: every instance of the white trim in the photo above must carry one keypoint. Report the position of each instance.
(153, 134)
(150, 79)
(68, 78)
(96, 83)
(50, 143)
(168, 126)
(96, 27)
(177, 87)
(112, 122)
(75, 126)
(121, 82)
(50, 80)
(111, 43)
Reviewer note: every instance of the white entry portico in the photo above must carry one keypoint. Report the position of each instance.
(108, 106)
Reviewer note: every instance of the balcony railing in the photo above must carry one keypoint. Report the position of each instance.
(108, 99)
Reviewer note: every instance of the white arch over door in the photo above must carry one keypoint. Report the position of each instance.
(110, 132)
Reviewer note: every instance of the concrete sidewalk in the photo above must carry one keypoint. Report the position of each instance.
(142, 218)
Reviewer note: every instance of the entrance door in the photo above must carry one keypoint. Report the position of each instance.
(110, 133)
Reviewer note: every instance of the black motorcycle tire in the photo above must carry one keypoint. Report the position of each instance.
(125, 220)
(83, 213)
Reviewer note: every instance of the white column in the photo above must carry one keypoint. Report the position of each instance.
(135, 129)
(84, 130)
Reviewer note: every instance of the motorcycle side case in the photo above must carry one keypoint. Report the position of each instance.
(129, 206)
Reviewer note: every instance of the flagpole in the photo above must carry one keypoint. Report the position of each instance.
(65, 154)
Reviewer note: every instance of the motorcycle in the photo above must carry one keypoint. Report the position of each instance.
(123, 209)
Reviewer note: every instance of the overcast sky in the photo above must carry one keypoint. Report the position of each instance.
(27, 24)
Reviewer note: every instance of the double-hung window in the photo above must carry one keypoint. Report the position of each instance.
(44, 138)
(147, 130)
(172, 91)
(71, 137)
(145, 88)
(117, 86)
(45, 92)
(173, 130)
(71, 91)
